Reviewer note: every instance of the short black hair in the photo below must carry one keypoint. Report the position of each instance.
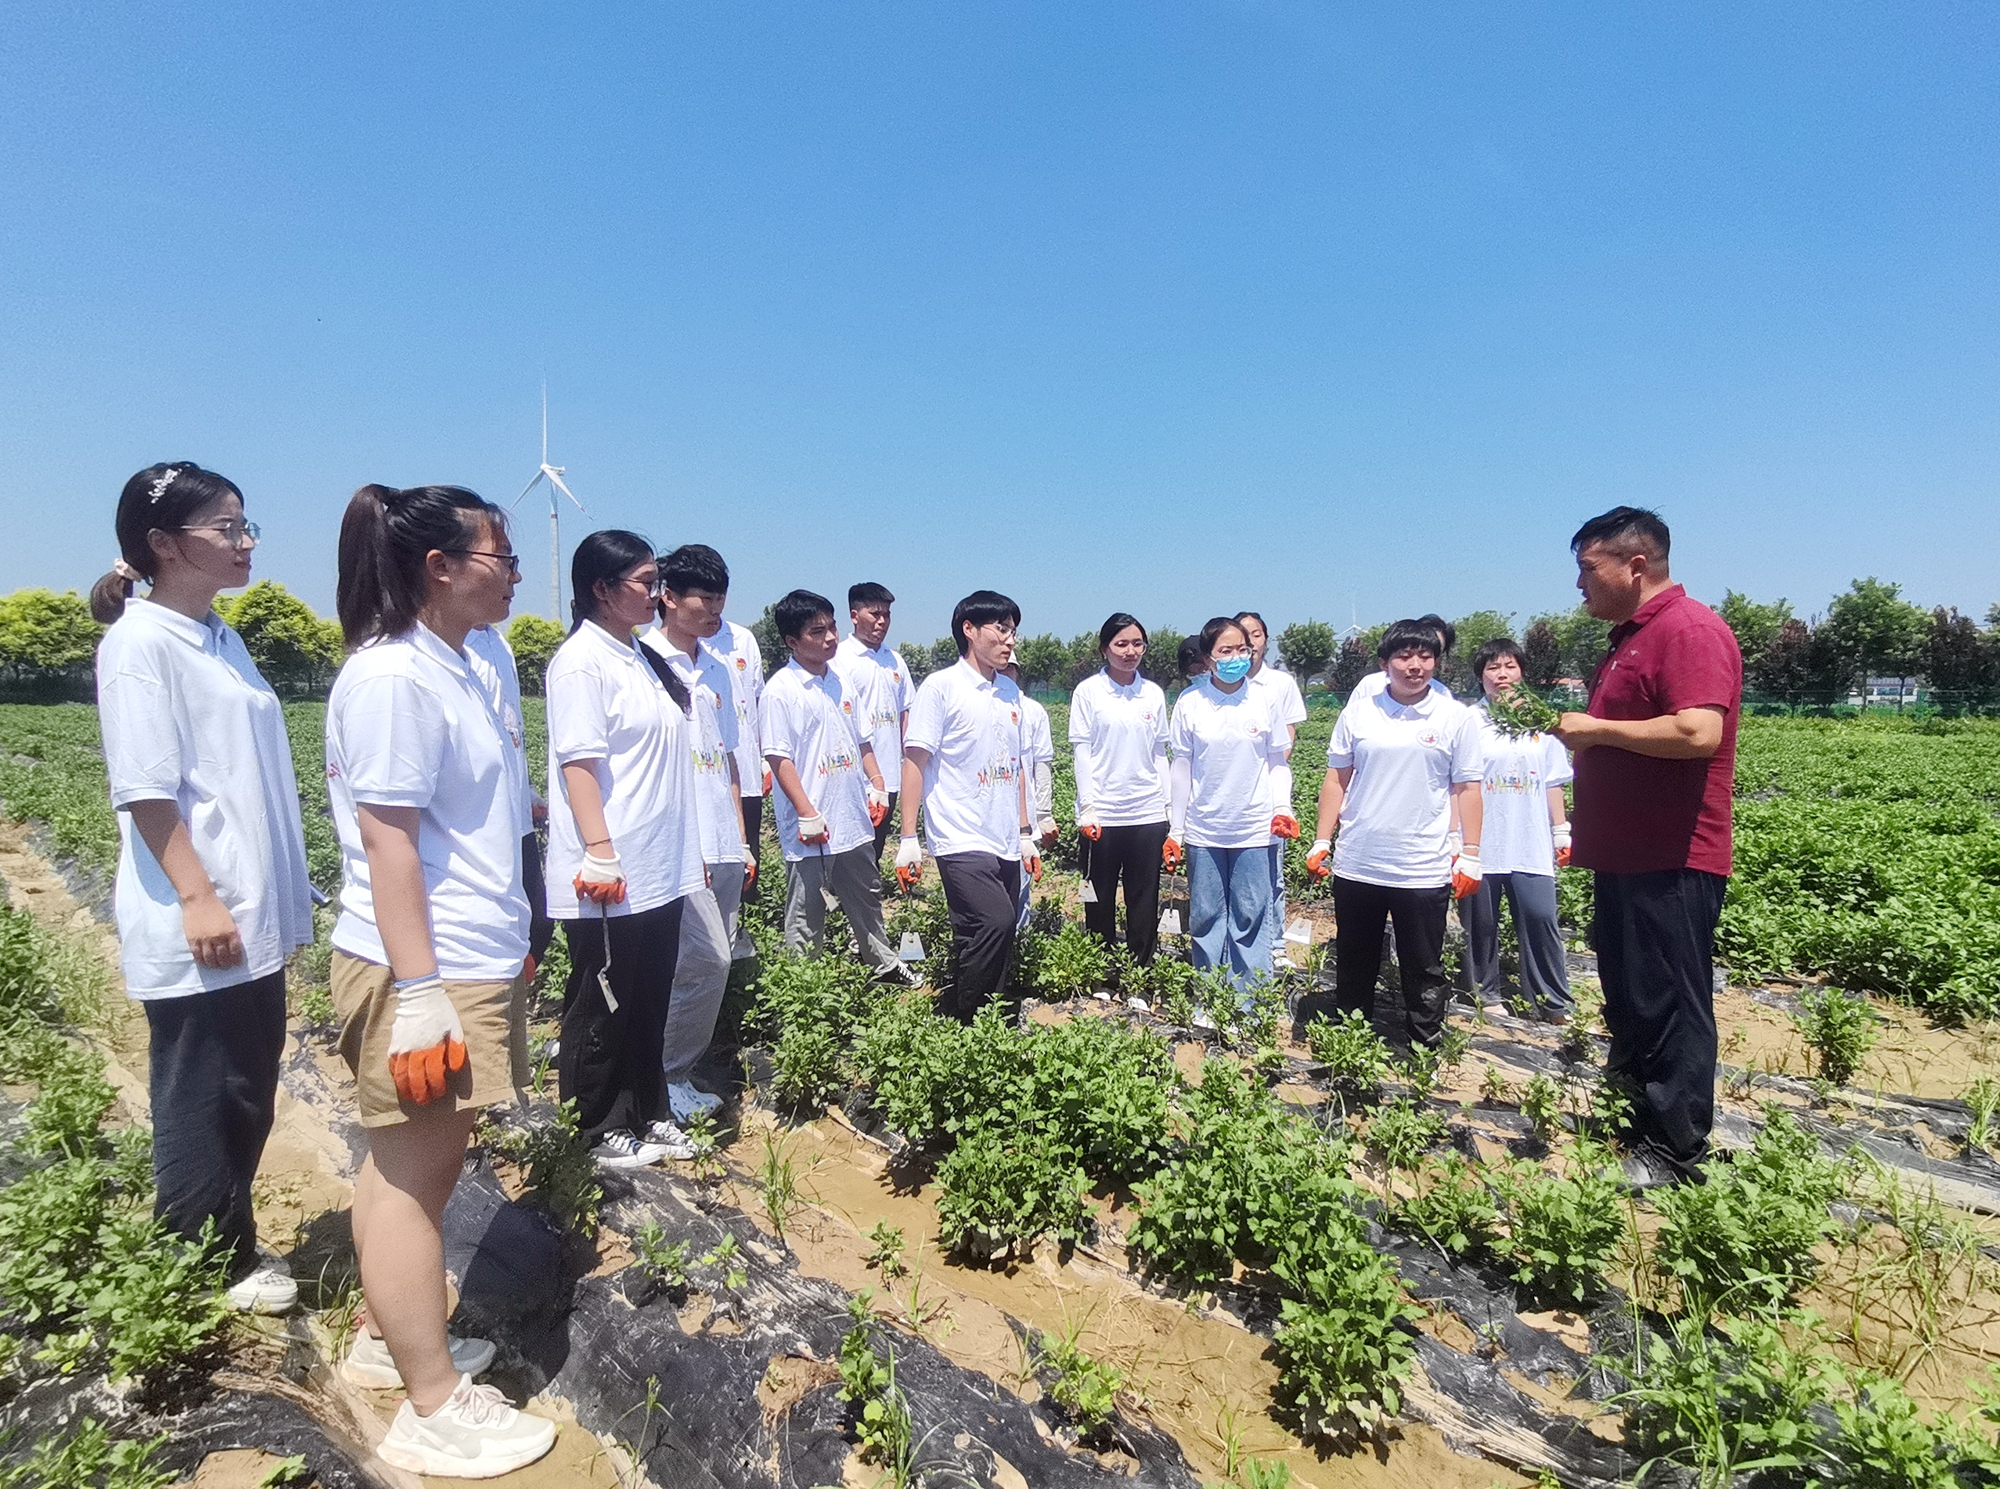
(1447, 632)
(868, 594)
(1115, 623)
(1212, 632)
(694, 566)
(983, 607)
(1243, 615)
(1625, 531)
(798, 610)
(1408, 635)
(1490, 651)
(1189, 658)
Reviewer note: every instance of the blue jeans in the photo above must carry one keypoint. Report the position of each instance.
(1229, 905)
(1274, 917)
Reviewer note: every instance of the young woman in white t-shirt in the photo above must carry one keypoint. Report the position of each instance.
(1289, 704)
(1524, 840)
(625, 850)
(1118, 736)
(1397, 763)
(1229, 750)
(426, 789)
(212, 893)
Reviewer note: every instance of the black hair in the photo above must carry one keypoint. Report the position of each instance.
(1447, 633)
(1490, 651)
(603, 556)
(163, 496)
(798, 610)
(1113, 625)
(1190, 659)
(983, 607)
(1625, 531)
(694, 566)
(1408, 635)
(868, 594)
(1212, 632)
(1243, 615)
(385, 535)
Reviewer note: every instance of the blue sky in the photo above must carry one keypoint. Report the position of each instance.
(1317, 309)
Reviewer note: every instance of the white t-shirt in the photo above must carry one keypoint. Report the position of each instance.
(1515, 837)
(711, 745)
(1232, 742)
(812, 722)
(971, 729)
(1287, 703)
(882, 691)
(187, 718)
(1121, 735)
(493, 664)
(410, 723)
(1406, 758)
(607, 706)
(745, 662)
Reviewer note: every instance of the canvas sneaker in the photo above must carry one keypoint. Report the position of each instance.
(684, 1101)
(265, 1290)
(476, 1434)
(670, 1140)
(619, 1149)
(369, 1363)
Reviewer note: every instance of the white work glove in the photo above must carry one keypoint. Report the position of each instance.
(813, 830)
(878, 804)
(1560, 832)
(1454, 842)
(909, 862)
(1466, 874)
(426, 1042)
(1031, 856)
(601, 880)
(1086, 822)
(1046, 831)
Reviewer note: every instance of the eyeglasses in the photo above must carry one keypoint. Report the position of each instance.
(232, 532)
(512, 560)
(654, 589)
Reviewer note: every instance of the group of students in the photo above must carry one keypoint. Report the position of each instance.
(664, 736)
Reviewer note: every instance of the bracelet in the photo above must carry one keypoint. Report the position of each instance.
(595, 841)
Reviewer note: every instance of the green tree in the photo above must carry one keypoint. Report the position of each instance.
(770, 645)
(1581, 641)
(46, 637)
(1543, 650)
(917, 657)
(1354, 661)
(1875, 631)
(293, 647)
(534, 639)
(1044, 660)
(1786, 667)
(1756, 626)
(944, 653)
(1163, 649)
(1306, 647)
(1961, 662)
(1474, 631)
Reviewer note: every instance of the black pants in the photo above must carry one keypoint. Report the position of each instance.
(609, 1063)
(753, 834)
(983, 892)
(1419, 914)
(888, 825)
(214, 1083)
(1655, 940)
(541, 930)
(1131, 854)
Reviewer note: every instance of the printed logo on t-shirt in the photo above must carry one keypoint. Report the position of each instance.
(710, 762)
(1514, 781)
(999, 771)
(1433, 737)
(741, 664)
(838, 760)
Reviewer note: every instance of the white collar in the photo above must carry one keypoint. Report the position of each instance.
(425, 640)
(205, 633)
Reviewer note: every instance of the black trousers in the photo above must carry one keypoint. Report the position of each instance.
(983, 893)
(609, 1063)
(887, 826)
(214, 1081)
(753, 834)
(1655, 940)
(1419, 915)
(1131, 854)
(541, 930)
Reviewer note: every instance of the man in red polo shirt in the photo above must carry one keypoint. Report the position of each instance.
(1655, 769)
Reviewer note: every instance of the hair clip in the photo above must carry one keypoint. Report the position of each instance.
(160, 486)
(126, 572)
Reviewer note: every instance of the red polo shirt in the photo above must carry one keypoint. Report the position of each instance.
(1638, 815)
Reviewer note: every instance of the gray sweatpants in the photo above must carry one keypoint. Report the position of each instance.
(854, 878)
(708, 934)
(1532, 897)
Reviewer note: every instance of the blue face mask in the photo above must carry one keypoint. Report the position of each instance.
(1230, 669)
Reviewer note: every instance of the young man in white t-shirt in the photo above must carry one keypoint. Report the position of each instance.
(962, 772)
(737, 647)
(1288, 705)
(830, 794)
(882, 688)
(1038, 763)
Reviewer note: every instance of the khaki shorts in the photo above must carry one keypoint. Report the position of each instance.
(494, 1016)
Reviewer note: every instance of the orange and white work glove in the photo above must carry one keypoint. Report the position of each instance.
(1046, 832)
(878, 805)
(1316, 860)
(749, 871)
(601, 880)
(767, 780)
(813, 830)
(909, 862)
(1170, 854)
(1284, 825)
(1031, 856)
(427, 1042)
(1466, 874)
(1086, 823)
(1561, 834)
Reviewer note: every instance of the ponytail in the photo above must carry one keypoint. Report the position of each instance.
(161, 497)
(385, 535)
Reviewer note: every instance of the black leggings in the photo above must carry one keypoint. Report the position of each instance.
(1133, 854)
(609, 1063)
(1360, 910)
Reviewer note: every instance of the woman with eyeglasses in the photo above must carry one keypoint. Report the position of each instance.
(1118, 735)
(212, 894)
(625, 850)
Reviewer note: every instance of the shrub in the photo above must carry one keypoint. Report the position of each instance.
(1563, 1228)
(1452, 1208)
(1356, 1059)
(995, 1194)
(1838, 1028)
(1070, 964)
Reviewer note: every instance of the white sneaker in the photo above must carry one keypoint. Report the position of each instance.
(266, 1290)
(1282, 962)
(684, 1101)
(670, 1140)
(476, 1434)
(273, 1261)
(620, 1149)
(370, 1364)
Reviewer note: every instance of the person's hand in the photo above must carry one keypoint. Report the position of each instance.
(529, 968)
(1086, 823)
(1170, 854)
(1031, 857)
(1466, 874)
(909, 863)
(749, 871)
(1560, 832)
(1316, 860)
(878, 805)
(1574, 730)
(426, 1043)
(767, 780)
(1046, 832)
(601, 880)
(813, 831)
(1284, 825)
(211, 932)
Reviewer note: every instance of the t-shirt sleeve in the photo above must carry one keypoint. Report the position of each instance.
(578, 722)
(1557, 768)
(927, 718)
(1295, 701)
(1468, 749)
(778, 724)
(1705, 670)
(1079, 716)
(142, 746)
(1180, 733)
(392, 742)
(1340, 748)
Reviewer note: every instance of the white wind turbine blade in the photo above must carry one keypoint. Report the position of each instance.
(557, 482)
(530, 487)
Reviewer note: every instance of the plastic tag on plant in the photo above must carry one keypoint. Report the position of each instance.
(912, 948)
(1139, 1005)
(1202, 1020)
(1102, 995)
(604, 987)
(1170, 923)
(1300, 932)
(1088, 894)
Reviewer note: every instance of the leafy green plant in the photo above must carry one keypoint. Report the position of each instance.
(1982, 1102)
(1562, 1229)
(995, 1195)
(155, 1299)
(1355, 1057)
(1519, 711)
(1418, 1068)
(1838, 1028)
(666, 1261)
(1494, 1087)
(1070, 964)
(1402, 1132)
(885, 1251)
(1085, 1389)
(882, 1411)
(726, 1256)
(1542, 1105)
(1344, 1348)
(1170, 988)
(555, 1164)
(86, 1456)
(1452, 1208)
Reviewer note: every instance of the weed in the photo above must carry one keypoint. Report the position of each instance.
(667, 1261)
(780, 1178)
(886, 1251)
(555, 1164)
(1258, 1474)
(1494, 1087)
(1085, 1389)
(87, 1457)
(868, 1383)
(701, 1135)
(1838, 1028)
(1356, 1059)
(1918, 1283)
(1418, 1069)
(1982, 1101)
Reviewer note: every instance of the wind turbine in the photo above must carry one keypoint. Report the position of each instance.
(553, 474)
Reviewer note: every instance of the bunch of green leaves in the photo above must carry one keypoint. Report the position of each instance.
(1402, 1132)
(1519, 711)
(1451, 1207)
(1563, 1228)
(997, 1193)
(1070, 964)
(885, 1251)
(882, 1411)
(1103, 1091)
(1418, 1068)
(1170, 986)
(86, 1456)
(1838, 1028)
(1086, 1390)
(155, 1300)
(1982, 1104)
(1355, 1056)
(1541, 1104)
(808, 1008)
(1344, 1346)
(666, 1261)
(555, 1163)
